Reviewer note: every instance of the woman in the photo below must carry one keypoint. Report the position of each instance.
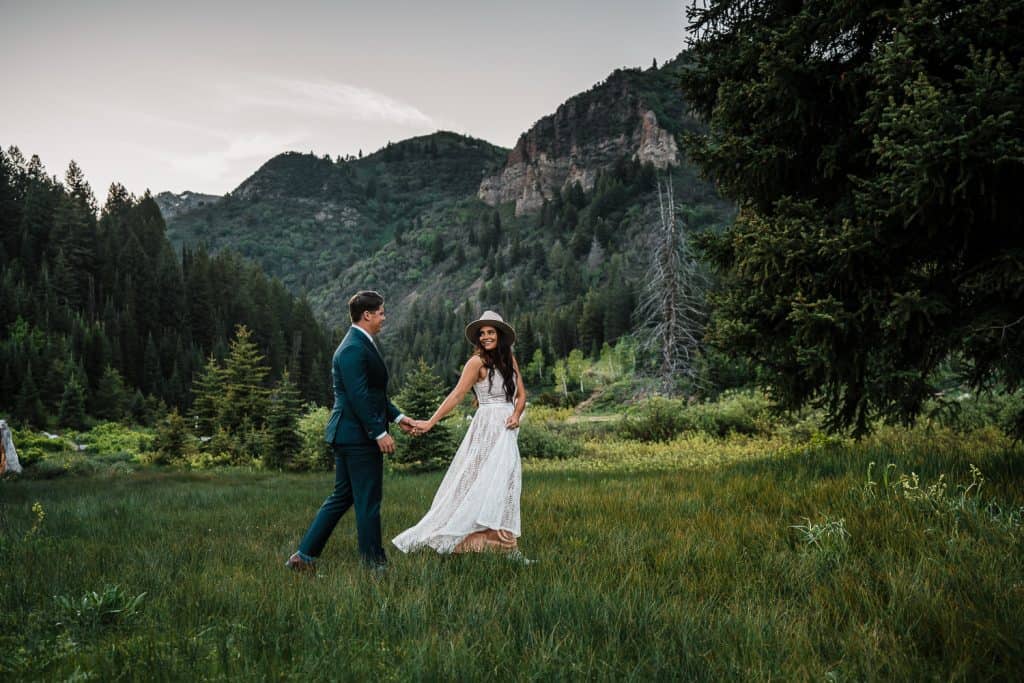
(476, 507)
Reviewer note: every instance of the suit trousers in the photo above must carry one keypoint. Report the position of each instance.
(358, 480)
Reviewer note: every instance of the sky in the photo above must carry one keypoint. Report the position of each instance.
(197, 95)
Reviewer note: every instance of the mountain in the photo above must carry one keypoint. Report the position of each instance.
(554, 232)
(632, 113)
(306, 218)
(172, 205)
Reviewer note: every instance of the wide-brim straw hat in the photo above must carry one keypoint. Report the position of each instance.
(494, 320)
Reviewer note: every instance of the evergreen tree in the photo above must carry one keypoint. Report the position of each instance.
(421, 394)
(28, 406)
(172, 442)
(244, 397)
(207, 392)
(437, 249)
(282, 424)
(152, 378)
(875, 150)
(110, 398)
(72, 404)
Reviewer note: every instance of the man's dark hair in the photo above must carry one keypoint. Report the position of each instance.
(362, 302)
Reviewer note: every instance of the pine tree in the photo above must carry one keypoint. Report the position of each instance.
(28, 406)
(110, 398)
(282, 424)
(437, 249)
(171, 442)
(72, 404)
(244, 397)
(875, 150)
(422, 393)
(207, 392)
(152, 378)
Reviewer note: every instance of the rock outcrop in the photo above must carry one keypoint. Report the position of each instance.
(588, 133)
(172, 205)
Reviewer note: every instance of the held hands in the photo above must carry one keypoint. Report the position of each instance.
(420, 427)
(406, 425)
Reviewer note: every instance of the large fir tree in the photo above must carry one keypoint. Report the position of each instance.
(876, 151)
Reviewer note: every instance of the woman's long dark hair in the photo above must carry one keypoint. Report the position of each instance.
(501, 359)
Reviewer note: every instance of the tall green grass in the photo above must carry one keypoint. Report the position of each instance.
(727, 559)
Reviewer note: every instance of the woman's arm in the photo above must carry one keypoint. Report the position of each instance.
(470, 373)
(513, 420)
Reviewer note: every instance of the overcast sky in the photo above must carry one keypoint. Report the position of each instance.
(196, 95)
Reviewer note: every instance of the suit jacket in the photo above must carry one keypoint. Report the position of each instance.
(362, 410)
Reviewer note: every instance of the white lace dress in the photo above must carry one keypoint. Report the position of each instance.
(481, 489)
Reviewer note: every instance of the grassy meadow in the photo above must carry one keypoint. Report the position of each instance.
(897, 558)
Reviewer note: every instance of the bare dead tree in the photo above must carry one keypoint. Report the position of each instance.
(672, 309)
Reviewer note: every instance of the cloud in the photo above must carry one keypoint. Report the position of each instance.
(214, 164)
(311, 98)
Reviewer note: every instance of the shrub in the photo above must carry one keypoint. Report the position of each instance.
(662, 419)
(743, 412)
(656, 419)
(172, 442)
(110, 438)
(541, 438)
(314, 452)
(967, 411)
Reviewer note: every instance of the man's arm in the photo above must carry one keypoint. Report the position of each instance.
(353, 376)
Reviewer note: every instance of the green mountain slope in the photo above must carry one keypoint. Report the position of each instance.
(553, 233)
(306, 218)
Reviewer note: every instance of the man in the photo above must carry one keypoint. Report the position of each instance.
(358, 434)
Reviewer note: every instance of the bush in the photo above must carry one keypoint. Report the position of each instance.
(172, 442)
(111, 438)
(966, 411)
(741, 412)
(662, 419)
(540, 438)
(612, 397)
(314, 452)
(656, 419)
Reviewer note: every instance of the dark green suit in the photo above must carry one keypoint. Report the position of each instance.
(362, 412)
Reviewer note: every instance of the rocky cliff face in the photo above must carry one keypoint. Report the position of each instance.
(172, 205)
(588, 133)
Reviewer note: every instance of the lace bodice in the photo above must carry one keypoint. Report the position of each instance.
(488, 392)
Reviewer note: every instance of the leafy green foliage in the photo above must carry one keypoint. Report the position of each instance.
(662, 419)
(102, 319)
(173, 441)
(314, 452)
(875, 150)
(94, 611)
(542, 438)
(343, 211)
